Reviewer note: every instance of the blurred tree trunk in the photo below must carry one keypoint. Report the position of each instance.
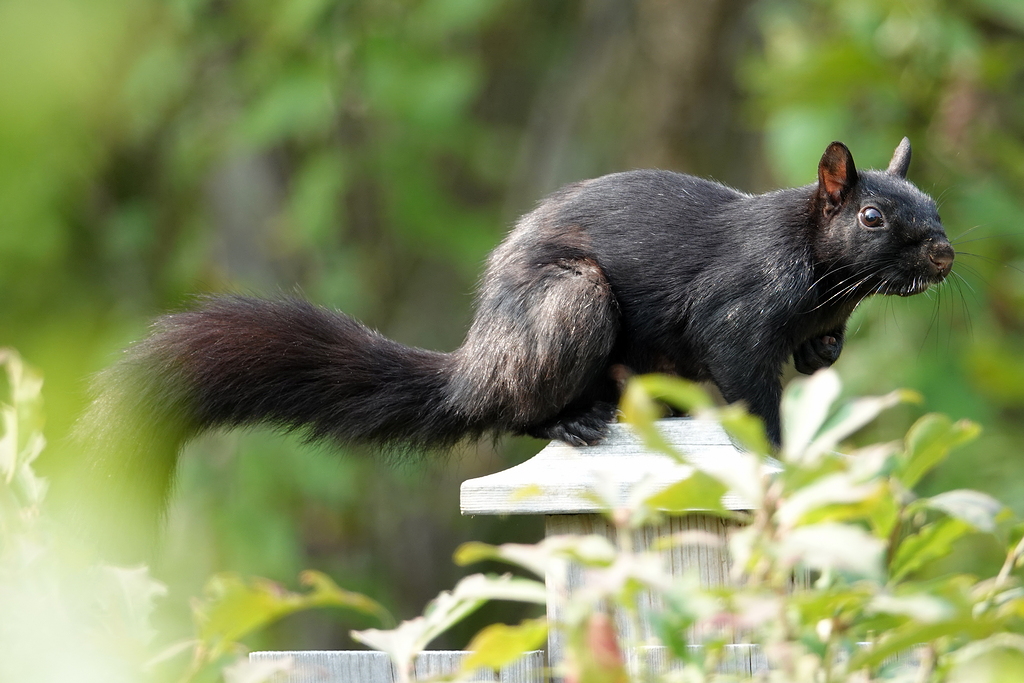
(690, 104)
(648, 83)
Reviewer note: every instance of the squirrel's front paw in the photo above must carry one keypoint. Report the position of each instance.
(817, 353)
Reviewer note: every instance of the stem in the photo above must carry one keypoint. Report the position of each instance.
(1004, 574)
(827, 660)
(1000, 579)
(199, 658)
(894, 537)
(1008, 565)
(787, 637)
(924, 671)
(624, 538)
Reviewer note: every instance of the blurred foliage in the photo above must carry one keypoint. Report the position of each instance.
(70, 618)
(835, 574)
(372, 152)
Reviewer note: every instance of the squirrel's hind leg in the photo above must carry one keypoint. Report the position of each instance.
(536, 358)
(584, 424)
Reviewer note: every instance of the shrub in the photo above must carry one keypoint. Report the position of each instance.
(880, 603)
(64, 618)
(883, 602)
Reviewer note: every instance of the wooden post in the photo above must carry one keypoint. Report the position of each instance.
(362, 666)
(560, 481)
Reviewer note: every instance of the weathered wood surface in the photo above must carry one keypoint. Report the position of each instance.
(559, 482)
(374, 667)
(362, 666)
(707, 560)
(561, 479)
(329, 666)
(742, 660)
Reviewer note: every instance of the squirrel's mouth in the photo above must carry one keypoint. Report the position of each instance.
(935, 264)
(916, 286)
(907, 284)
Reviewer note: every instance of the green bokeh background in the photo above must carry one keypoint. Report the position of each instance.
(369, 154)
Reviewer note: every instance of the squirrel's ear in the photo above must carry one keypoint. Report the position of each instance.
(836, 175)
(900, 160)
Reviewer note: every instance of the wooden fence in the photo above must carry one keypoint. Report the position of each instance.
(561, 479)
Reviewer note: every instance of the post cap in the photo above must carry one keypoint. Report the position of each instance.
(561, 478)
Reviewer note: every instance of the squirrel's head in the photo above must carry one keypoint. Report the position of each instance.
(877, 233)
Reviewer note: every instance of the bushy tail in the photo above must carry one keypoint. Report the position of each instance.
(238, 361)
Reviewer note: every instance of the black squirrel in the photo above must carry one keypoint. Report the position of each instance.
(650, 270)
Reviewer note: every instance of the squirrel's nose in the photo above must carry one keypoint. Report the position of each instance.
(941, 255)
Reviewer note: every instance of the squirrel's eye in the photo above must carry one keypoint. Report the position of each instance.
(871, 217)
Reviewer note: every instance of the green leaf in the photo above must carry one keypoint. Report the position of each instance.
(977, 509)
(527, 492)
(909, 635)
(26, 384)
(677, 392)
(883, 513)
(643, 403)
(410, 637)
(685, 602)
(921, 607)
(641, 410)
(805, 405)
(828, 602)
(744, 475)
(21, 439)
(8, 443)
(928, 443)
(831, 546)
(127, 596)
(932, 542)
(499, 644)
(828, 490)
(296, 105)
(591, 550)
(996, 659)
(1006, 11)
(637, 405)
(851, 416)
(403, 643)
(326, 593)
(236, 608)
(259, 671)
(699, 491)
(745, 429)
(505, 587)
(528, 557)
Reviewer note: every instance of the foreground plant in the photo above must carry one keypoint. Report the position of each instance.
(876, 603)
(67, 619)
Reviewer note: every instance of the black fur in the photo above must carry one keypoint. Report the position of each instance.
(651, 270)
